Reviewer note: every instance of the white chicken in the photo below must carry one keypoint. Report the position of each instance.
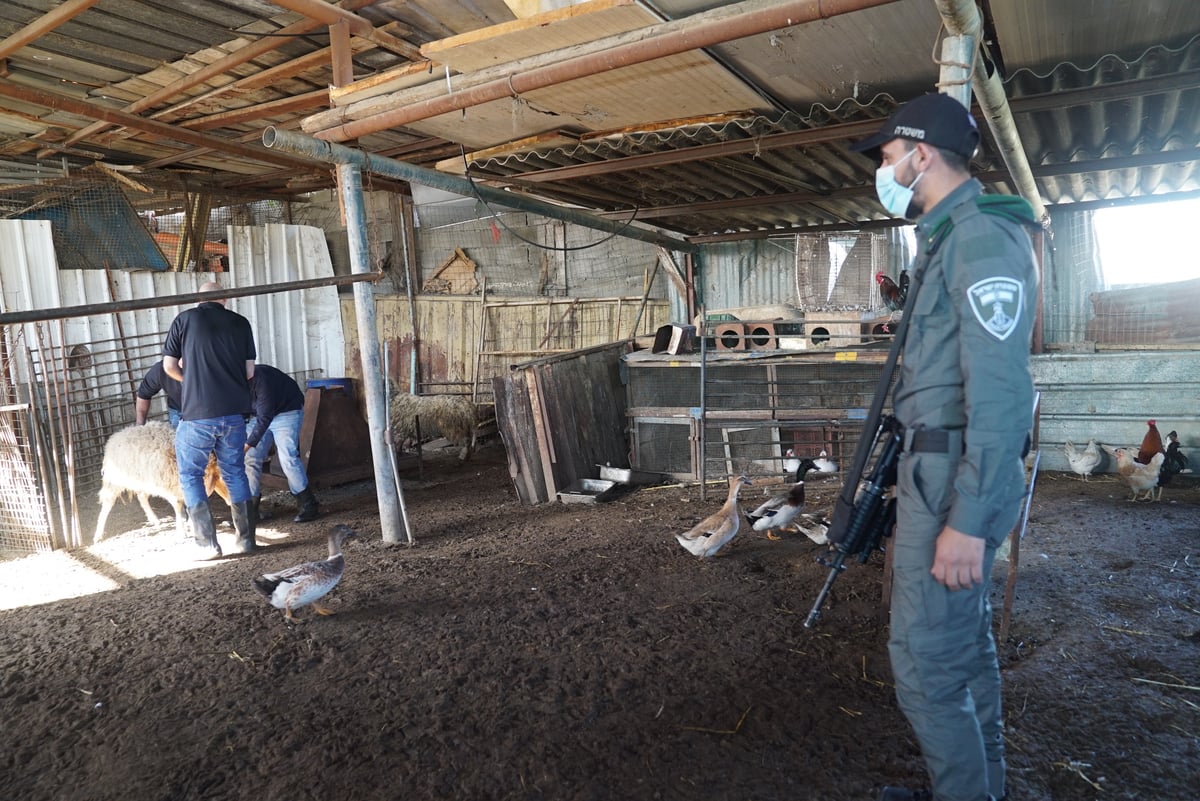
(713, 532)
(1085, 461)
(1139, 477)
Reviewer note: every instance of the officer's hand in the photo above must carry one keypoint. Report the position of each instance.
(958, 560)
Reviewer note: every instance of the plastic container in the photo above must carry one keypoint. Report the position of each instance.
(332, 383)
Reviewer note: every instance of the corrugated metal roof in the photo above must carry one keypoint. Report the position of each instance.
(1099, 89)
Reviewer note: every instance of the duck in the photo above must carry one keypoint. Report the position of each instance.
(307, 584)
(815, 527)
(780, 510)
(715, 531)
(824, 464)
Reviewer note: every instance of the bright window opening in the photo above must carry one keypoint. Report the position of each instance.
(1150, 243)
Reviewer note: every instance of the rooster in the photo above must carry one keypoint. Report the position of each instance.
(1151, 444)
(1139, 477)
(1174, 462)
(893, 294)
(1085, 461)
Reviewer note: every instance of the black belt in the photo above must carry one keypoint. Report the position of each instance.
(934, 440)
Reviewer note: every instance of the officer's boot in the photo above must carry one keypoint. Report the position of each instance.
(308, 505)
(244, 525)
(204, 532)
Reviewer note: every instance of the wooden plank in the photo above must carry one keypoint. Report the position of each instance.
(539, 33)
(393, 80)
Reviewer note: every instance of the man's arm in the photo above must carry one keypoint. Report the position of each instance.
(171, 367)
(141, 408)
(249, 369)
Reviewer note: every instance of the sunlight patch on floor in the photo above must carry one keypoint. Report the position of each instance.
(142, 553)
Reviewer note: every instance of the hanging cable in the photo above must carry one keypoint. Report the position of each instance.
(507, 227)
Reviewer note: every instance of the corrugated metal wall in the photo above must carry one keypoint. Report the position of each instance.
(75, 377)
(1110, 396)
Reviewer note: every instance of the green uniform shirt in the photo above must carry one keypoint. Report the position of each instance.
(966, 358)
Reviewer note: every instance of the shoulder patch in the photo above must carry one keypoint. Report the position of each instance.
(997, 303)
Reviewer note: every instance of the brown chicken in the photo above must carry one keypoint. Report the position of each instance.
(1139, 477)
(1151, 444)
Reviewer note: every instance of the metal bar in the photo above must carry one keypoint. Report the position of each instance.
(386, 488)
(67, 312)
(162, 130)
(331, 152)
(722, 24)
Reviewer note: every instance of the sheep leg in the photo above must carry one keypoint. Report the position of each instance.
(106, 505)
(144, 500)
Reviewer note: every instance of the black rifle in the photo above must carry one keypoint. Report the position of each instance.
(873, 514)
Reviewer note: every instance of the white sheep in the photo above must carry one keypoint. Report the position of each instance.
(453, 416)
(141, 460)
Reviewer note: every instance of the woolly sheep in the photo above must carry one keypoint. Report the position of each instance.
(453, 416)
(141, 460)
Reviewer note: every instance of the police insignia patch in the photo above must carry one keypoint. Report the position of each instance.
(997, 304)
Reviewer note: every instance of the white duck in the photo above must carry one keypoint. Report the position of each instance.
(713, 532)
(308, 583)
(780, 510)
(824, 464)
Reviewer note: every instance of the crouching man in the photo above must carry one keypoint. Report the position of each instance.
(278, 412)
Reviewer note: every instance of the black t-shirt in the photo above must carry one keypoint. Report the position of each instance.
(156, 381)
(272, 392)
(214, 344)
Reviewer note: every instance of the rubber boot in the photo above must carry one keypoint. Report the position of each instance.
(204, 531)
(308, 505)
(260, 514)
(244, 524)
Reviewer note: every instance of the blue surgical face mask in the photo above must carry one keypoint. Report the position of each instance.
(894, 196)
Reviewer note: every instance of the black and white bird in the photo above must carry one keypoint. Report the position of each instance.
(780, 510)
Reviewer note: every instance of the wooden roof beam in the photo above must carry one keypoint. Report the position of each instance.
(44, 24)
(219, 67)
(160, 130)
(359, 26)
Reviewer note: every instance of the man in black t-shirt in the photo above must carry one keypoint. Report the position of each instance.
(216, 349)
(278, 417)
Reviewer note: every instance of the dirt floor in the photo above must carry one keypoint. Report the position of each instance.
(573, 651)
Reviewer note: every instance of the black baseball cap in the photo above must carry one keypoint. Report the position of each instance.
(934, 119)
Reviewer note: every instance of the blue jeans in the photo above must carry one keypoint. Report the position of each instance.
(284, 432)
(173, 417)
(195, 440)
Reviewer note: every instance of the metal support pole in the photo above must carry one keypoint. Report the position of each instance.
(958, 56)
(350, 185)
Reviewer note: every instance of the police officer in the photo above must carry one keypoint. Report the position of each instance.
(965, 398)
(216, 349)
(278, 415)
(155, 381)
